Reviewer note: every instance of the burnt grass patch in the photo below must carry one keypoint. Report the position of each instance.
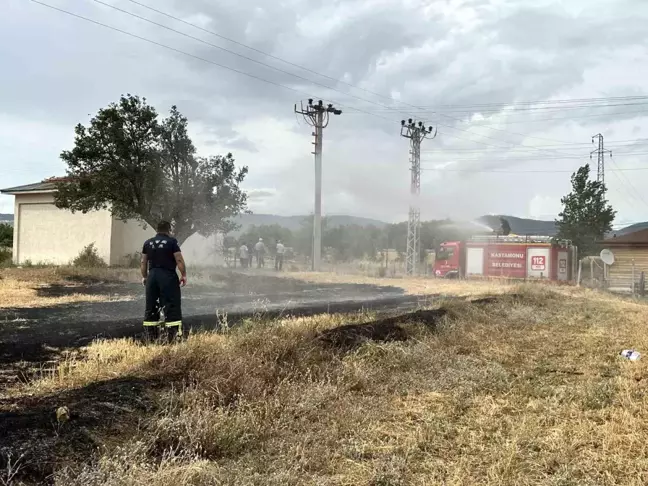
(388, 329)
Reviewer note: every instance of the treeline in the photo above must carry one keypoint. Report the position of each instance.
(349, 242)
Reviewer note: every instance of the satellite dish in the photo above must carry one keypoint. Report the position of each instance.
(607, 256)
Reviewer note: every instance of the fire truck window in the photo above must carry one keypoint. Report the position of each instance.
(445, 253)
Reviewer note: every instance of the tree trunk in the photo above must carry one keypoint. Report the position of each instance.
(181, 234)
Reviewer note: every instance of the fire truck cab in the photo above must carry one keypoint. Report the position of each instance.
(447, 263)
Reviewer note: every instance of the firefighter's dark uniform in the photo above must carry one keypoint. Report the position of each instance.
(162, 287)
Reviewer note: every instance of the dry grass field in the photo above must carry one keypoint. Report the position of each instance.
(523, 389)
(28, 287)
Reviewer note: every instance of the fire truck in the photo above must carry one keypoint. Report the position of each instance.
(511, 256)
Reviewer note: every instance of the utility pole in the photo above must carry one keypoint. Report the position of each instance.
(416, 134)
(600, 152)
(317, 115)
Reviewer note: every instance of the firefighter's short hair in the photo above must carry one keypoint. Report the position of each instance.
(164, 227)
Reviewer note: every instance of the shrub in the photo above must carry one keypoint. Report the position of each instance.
(132, 260)
(89, 258)
(6, 235)
(5, 257)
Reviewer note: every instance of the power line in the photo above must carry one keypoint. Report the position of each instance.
(513, 122)
(531, 109)
(259, 51)
(199, 58)
(559, 101)
(631, 144)
(300, 77)
(510, 171)
(484, 143)
(500, 130)
(269, 66)
(630, 185)
(450, 158)
(625, 193)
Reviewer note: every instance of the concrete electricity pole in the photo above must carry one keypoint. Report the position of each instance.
(600, 152)
(416, 134)
(317, 116)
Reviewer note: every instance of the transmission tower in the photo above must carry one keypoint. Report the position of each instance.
(600, 153)
(317, 115)
(416, 134)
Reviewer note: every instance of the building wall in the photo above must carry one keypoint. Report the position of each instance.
(44, 233)
(127, 239)
(620, 273)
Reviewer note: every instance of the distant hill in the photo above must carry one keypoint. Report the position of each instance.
(293, 223)
(6, 218)
(630, 229)
(521, 226)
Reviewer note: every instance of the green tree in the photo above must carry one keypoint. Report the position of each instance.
(586, 216)
(303, 237)
(142, 168)
(6, 235)
(229, 242)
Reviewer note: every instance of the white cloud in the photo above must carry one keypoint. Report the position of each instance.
(544, 207)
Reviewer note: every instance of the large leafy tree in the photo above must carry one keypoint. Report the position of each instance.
(138, 167)
(586, 216)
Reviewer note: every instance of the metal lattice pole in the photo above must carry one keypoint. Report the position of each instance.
(600, 156)
(317, 116)
(416, 133)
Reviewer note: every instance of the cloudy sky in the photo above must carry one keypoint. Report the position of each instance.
(472, 68)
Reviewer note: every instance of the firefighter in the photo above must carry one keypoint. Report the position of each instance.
(505, 227)
(161, 257)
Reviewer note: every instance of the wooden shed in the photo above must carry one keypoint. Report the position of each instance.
(630, 257)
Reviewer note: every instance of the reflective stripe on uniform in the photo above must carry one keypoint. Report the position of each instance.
(177, 324)
(151, 323)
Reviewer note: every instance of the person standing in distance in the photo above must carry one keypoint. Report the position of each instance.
(279, 257)
(260, 249)
(243, 255)
(161, 257)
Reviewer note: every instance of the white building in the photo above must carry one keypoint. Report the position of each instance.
(44, 233)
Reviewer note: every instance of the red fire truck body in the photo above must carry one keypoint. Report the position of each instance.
(506, 256)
